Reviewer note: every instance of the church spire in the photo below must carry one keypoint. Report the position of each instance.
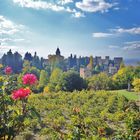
(58, 51)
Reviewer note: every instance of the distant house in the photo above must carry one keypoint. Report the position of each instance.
(45, 62)
(85, 73)
(112, 70)
(118, 61)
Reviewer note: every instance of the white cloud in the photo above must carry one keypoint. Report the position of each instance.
(113, 47)
(63, 2)
(94, 5)
(6, 40)
(12, 34)
(59, 6)
(39, 5)
(101, 35)
(117, 32)
(7, 27)
(134, 30)
(68, 9)
(132, 46)
(85, 6)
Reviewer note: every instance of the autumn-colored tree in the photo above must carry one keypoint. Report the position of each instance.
(124, 77)
(136, 84)
(137, 72)
(90, 65)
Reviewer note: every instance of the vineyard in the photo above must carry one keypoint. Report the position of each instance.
(82, 115)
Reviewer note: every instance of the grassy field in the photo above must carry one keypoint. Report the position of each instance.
(127, 94)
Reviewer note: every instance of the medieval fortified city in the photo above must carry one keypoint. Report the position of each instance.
(86, 66)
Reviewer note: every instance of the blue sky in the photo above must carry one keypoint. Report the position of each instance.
(82, 27)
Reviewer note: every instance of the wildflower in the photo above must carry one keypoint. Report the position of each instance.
(8, 70)
(29, 79)
(76, 109)
(21, 93)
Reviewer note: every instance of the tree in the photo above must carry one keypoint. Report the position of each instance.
(96, 69)
(54, 78)
(1, 69)
(124, 77)
(122, 65)
(90, 65)
(136, 84)
(71, 81)
(55, 75)
(35, 71)
(100, 81)
(42, 80)
(26, 66)
(137, 72)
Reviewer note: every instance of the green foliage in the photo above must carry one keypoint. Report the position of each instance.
(133, 123)
(34, 71)
(55, 75)
(137, 72)
(71, 81)
(10, 83)
(122, 65)
(123, 78)
(136, 84)
(54, 79)
(1, 81)
(96, 69)
(26, 66)
(99, 82)
(42, 80)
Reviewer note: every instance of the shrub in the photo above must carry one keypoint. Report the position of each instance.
(136, 84)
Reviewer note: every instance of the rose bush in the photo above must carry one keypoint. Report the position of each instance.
(8, 70)
(14, 108)
(29, 79)
(21, 93)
